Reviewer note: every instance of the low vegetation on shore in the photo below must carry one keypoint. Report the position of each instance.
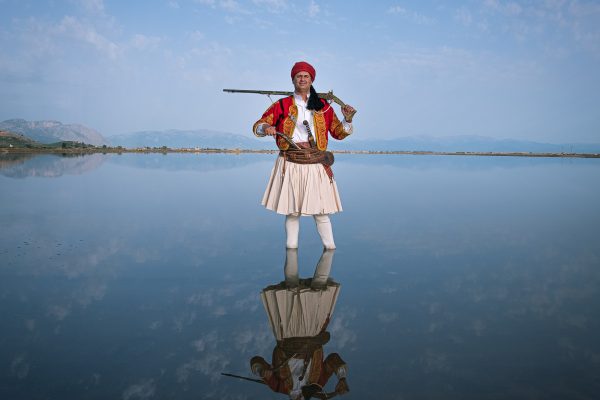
(16, 143)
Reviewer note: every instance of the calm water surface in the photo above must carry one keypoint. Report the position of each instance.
(139, 276)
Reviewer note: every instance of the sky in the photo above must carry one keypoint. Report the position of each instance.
(503, 69)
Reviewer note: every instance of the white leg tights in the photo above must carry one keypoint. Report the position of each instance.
(325, 230)
(319, 280)
(290, 269)
(292, 228)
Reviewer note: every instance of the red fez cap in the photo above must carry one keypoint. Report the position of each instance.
(302, 66)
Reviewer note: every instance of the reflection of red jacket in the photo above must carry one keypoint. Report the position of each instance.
(281, 380)
(325, 121)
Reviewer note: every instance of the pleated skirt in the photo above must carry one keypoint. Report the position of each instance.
(299, 312)
(301, 189)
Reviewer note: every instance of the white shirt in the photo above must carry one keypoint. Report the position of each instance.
(300, 133)
(296, 367)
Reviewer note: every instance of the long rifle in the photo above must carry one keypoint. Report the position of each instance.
(329, 96)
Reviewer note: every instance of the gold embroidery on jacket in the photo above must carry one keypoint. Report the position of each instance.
(320, 130)
(265, 120)
(337, 128)
(288, 123)
(316, 368)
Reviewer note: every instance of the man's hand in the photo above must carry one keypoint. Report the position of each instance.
(269, 130)
(342, 387)
(348, 112)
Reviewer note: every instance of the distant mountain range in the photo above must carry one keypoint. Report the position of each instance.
(461, 143)
(15, 139)
(54, 131)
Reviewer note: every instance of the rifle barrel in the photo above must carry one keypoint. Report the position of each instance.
(273, 92)
(329, 96)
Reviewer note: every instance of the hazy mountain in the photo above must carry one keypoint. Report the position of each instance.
(461, 143)
(15, 139)
(53, 131)
(48, 165)
(202, 138)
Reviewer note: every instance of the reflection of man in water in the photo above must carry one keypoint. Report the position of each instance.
(299, 311)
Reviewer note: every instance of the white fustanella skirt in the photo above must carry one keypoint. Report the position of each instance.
(301, 189)
(299, 312)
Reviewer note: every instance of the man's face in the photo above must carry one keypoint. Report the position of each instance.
(302, 82)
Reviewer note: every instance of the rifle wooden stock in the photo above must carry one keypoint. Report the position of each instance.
(329, 96)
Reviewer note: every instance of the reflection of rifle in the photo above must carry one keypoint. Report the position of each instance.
(329, 96)
(243, 377)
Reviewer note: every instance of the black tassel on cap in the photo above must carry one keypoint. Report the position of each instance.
(314, 102)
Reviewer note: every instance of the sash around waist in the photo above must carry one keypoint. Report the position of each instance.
(308, 156)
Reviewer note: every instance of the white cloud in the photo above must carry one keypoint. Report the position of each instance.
(249, 303)
(271, 5)
(30, 324)
(204, 299)
(507, 8)
(513, 9)
(412, 15)
(313, 9)
(58, 312)
(219, 311)
(396, 10)
(196, 36)
(208, 341)
(19, 366)
(142, 390)
(199, 345)
(259, 340)
(463, 16)
(96, 6)
(143, 42)
(90, 292)
(87, 34)
(230, 5)
(183, 319)
(584, 9)
(574, 21)
(432, 361)
(210, 365)
(341, 334)
(210, 3)
(387, 317)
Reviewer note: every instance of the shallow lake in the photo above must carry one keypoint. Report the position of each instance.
(139, 276)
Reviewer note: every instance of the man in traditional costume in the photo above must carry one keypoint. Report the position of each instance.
(299, 311)
(297, 189)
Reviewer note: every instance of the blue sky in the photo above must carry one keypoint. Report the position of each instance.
(504, 69)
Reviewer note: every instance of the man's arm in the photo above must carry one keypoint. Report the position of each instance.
(340, 130)
(261, 127)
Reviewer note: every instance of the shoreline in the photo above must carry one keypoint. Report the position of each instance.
(162, 150)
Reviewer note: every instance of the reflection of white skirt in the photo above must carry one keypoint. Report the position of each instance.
(304, 189)
(299, 312)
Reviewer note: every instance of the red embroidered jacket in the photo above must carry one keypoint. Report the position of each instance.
(281, 380)
(325, 122)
